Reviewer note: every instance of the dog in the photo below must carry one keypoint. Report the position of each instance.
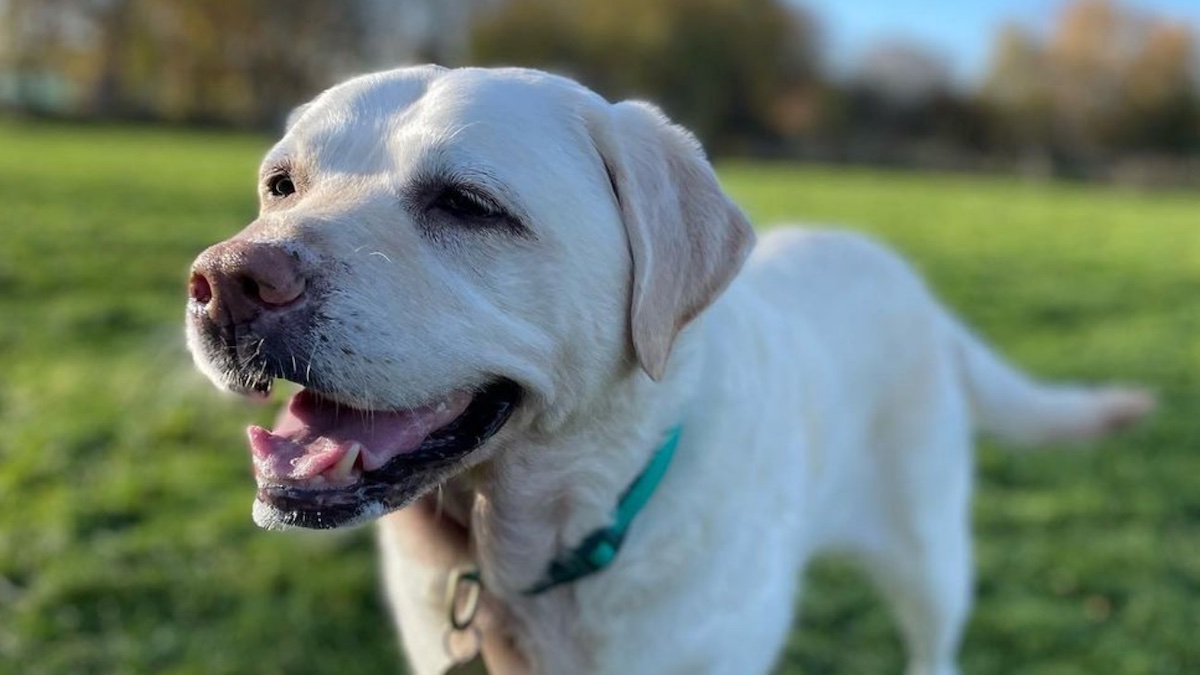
(532, 330)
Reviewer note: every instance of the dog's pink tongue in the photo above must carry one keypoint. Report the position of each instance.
(313, 434)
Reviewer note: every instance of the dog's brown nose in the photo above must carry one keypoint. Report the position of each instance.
(238, 280)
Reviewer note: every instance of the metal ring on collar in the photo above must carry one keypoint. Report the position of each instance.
(463, 589)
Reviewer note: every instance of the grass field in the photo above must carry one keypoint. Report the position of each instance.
(125, 539)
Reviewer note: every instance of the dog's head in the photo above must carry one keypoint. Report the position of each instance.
(446, 260)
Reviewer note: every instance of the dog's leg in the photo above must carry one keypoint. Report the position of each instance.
(927, 581)
(921, 554)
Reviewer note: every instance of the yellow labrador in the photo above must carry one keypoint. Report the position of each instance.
(537, 341)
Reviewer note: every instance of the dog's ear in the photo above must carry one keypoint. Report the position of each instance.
(687, 238)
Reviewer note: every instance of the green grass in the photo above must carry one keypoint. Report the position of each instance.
(125, 538)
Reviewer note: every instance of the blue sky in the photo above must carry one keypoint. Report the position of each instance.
(961, 30)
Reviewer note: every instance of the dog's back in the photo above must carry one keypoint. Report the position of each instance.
(886, 389)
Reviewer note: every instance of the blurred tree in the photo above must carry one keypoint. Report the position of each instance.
(1107, 80)
(1161, 85)
(114, 22)
(903, 74)
(718, 66)
(1018, 85)
(1089, 50)
(213, 61)
(31, 39)
(1104, 83)
(238, 61)
(901, 105)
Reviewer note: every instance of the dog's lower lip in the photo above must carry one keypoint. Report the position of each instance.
(313, 498)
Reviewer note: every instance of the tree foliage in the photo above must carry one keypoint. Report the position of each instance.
(1104, 82)
(1106, 79)
(212, 61)
(719, 66)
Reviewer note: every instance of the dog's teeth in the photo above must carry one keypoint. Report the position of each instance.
(441, 407)
(345, 465)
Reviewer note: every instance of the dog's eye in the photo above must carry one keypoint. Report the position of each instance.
(461, 203)
(280, 185)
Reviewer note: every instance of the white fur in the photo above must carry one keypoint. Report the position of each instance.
(827, 400)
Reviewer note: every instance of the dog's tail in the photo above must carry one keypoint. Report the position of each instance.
(1009, 404)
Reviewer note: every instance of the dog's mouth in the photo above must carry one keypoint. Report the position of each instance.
(327, 465)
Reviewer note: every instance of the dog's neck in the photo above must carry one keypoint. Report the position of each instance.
(544, 497)
(533, 502)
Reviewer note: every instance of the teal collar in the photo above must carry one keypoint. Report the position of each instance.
(598, 550)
